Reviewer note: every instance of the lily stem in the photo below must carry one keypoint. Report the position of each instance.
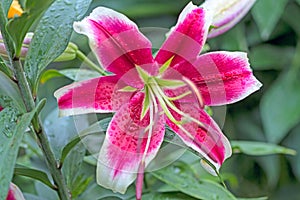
(29, 102)
(81, 56)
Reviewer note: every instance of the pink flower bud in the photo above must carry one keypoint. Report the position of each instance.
(14, 193)
(226, 14)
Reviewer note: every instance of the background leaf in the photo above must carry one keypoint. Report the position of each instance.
(279, 106)
(267, 57)
(266, 14)
(259, 148)
(179, 176)
(52, 35)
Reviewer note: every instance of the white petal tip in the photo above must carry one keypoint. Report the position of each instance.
(208, 168)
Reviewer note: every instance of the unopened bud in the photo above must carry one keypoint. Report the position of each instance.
(14, 10)
(69, 53)
(14, 193)
(226, 13)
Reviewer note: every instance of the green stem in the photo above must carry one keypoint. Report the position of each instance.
(81, 56)
(28, 99)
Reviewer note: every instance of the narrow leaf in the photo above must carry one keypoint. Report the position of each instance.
(5, 69)
(259, 148)
(33, 173)
(73, 74)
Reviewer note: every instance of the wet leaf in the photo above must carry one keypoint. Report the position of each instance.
(9, 150)
(52, 36)
(19, 26)
(10, 89)
(180, 176)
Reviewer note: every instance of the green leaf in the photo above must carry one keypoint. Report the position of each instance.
(267, 57)
(71, 171)
(258, 198)
(73, 74)
(9, 150)
(179, 175)
(165, 196)
(8, 116)
(5, 69)
(94, 128)
(293, 141)
(80, 184)
(19, 26)
(298, 1)
(4, 7)
(279, 106)
(271, 166)
(100, 193)
(266, 14)
(292, 12)
(59, 137)
(52, 36)
(259, 148)
(33, 173)
(10, 89)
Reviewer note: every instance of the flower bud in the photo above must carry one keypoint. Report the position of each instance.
(226, 13)
(14, 193)
(69, 53)
(14, 10)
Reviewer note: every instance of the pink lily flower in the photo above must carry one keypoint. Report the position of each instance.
(146, 93)
(226, 14)
(14, 193)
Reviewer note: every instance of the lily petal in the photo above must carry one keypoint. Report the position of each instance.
(124, 146)
(98, 95)
(116, 41)
(208, 139)
(14, 193)
(222, 77)
(187, 38)
(227, 13)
